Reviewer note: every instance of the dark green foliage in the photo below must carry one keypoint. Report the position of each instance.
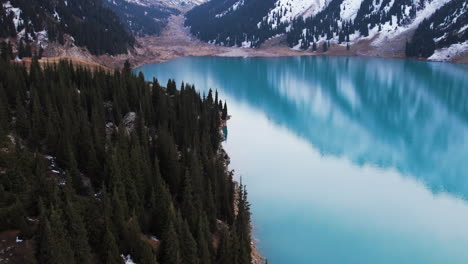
(445, 25)
(103, 160)
(142, 20)
(171, 253)
(234, 27)
(90, 23)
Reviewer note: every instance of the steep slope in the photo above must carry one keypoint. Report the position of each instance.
(179, 4)
(141, 18)
(99, 165)
(232, 22)
(446, 30)
(86, 23)
(310, 23)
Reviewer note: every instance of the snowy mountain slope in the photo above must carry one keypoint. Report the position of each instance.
(306, 22)
(445, 31)
(169, 3)
(286, 10)
(140, 16)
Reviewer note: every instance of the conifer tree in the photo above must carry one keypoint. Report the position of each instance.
(170, 246)
(60, 249)
(77, 232)
(188, 245)
(225, 254)
(110, 250)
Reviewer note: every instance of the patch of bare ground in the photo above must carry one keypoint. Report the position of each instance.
(14, 250)
(461, 58)
(176, 41)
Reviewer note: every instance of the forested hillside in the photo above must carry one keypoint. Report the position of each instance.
(87, 22)
(308, 23)
(142, 19)
(96, 166)
(231, 22)
(447, 26)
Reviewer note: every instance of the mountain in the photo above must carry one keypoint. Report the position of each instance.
(179, 4)
(85, 23)
(142, 17)
(249, 23)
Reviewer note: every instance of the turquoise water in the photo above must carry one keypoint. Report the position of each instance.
(347, 160)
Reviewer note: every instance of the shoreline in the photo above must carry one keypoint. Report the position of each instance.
(175, 41)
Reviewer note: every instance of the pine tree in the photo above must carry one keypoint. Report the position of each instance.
(204, 241)
(188, 246)
(60, 249)
(225, 112)
(110, 250)
(77, 231)
(225, 254)
(325, 46)
(22, 119)
(4, 114)
(170, 246)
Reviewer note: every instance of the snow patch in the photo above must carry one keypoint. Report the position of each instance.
(287, 10)
(448, 53)
(17, 20)
(127, 259)
(234, 7)
(391, 31)
(349, 9)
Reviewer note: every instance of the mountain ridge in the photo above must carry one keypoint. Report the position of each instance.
(308, 24)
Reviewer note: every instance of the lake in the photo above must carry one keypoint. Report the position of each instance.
(346, 160)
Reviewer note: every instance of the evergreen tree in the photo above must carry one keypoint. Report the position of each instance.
(170, 246)
(225, 254)
(110, 250)
(77, 231)
(188, 246)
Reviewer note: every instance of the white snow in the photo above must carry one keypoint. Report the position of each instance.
(463, 29)
(446, 54)
(17, 20)
(234, 7)
(42, 36)
(287, 10)
(138, 2)
(246, 44)
(127, 259)
(349, 9)
(391, 31)
(57, 16)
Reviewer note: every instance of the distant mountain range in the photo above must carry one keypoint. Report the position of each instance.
(433, 29)
(430, 27)
(142, 17)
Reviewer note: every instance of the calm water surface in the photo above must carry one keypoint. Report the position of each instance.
(347, 160)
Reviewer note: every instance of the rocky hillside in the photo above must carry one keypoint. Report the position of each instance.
(85, 23)
(142, 17)
(308, 24)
